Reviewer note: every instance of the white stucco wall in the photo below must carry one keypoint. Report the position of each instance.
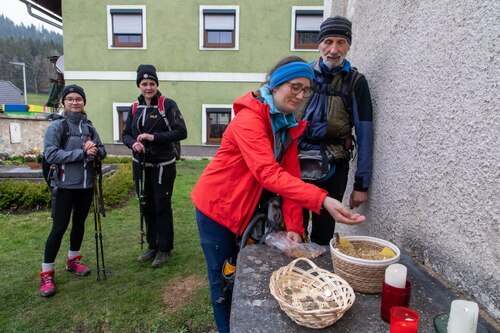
(434, 73)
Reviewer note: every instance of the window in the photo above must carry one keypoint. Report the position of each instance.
(215, 121)
(126, 27)
(120, 113)
(219, 27)
(305, 27)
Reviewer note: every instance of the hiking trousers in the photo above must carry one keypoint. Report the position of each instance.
(323, 225)
(158, 187)
(218, 244)
(77, 201)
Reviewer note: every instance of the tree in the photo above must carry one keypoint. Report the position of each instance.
(31, 46)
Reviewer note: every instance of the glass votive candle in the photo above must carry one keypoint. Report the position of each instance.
(403, 320)
(393, 296)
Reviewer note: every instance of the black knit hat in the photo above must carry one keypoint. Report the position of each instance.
(73, 88)
(146, 72)
(337, 26)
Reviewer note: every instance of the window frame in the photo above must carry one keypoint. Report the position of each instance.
(131, 9)
(206, 141)
(117, 125)
(294, 35)
(203, 34)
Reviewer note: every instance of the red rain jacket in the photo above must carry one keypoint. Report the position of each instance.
(229, 188)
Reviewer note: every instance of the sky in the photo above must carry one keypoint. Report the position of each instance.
(17, 12)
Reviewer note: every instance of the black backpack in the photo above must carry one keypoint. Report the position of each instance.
(49, 170)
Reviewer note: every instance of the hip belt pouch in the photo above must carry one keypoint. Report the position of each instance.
(316, 165)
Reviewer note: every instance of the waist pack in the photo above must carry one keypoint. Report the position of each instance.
(316, 165)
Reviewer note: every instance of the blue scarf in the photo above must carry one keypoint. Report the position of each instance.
(278, 120)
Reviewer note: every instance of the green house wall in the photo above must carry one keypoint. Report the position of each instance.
(172, 30)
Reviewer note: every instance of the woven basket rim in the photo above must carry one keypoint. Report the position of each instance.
(321, 317)
(367, 262)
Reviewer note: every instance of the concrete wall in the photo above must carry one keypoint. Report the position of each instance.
(32, 132)
(433, 68)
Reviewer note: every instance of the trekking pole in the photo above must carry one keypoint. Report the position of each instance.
(141, 196)
(98, 204)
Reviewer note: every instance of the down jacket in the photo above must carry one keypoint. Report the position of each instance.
(229, 188)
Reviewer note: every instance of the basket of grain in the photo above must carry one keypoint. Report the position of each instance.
(312, 297)
(362, 260)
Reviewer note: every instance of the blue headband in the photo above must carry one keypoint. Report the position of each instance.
(290, 71)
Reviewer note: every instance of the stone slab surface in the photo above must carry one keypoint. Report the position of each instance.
(254, 309)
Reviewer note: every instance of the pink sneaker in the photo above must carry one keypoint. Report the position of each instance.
(75, 265)
(47, 286)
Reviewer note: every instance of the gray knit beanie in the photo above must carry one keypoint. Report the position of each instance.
(337, 26)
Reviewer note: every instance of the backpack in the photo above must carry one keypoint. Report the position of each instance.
(316, 160)
(49, 170)
(176, 145)
(318, 128)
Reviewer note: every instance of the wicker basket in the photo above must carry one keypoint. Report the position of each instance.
(365, 276)
(314, 298)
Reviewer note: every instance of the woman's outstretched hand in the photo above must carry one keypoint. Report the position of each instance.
(340, 213)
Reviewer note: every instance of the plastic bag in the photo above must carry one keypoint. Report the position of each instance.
(292, 249)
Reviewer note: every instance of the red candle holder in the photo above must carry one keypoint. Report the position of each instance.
(392, 296)
(403, 320)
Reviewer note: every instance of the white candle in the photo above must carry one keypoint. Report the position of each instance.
(463, 317)
(395, 275)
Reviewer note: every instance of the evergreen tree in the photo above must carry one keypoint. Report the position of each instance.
(31, 46)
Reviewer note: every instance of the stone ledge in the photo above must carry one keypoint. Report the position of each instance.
(254, 309)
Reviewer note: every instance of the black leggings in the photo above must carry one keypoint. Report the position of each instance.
(67, 200)
(158, 208)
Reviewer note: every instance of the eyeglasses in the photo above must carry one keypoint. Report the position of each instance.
(296, 88)
(74, 100)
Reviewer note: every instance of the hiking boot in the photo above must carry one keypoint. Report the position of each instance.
(75, 265)
(146, 256)
(47, 286)
(161, 259)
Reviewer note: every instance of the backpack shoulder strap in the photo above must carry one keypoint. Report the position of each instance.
(134, 108)
(161, 104)
(282, 145)
(66, 134)
(347, 89)
(91, 128)
(161, 109)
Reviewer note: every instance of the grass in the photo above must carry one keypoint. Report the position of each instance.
(133, 298)
(37, 99)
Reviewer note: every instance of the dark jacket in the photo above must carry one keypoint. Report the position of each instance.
(161, 149)
(75, 168)
(362, 119)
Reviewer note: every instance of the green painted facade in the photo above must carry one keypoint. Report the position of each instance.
(172, 29)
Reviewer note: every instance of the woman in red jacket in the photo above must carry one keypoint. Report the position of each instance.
(245, 165)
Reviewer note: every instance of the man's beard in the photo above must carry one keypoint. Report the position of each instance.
(330, 64)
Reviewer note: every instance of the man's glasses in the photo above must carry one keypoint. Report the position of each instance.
(74, 100)
(296, 88)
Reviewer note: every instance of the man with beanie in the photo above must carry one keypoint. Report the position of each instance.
(341, 100)
(153, 124)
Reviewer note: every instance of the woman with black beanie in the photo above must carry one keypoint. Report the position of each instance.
(153, 124)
